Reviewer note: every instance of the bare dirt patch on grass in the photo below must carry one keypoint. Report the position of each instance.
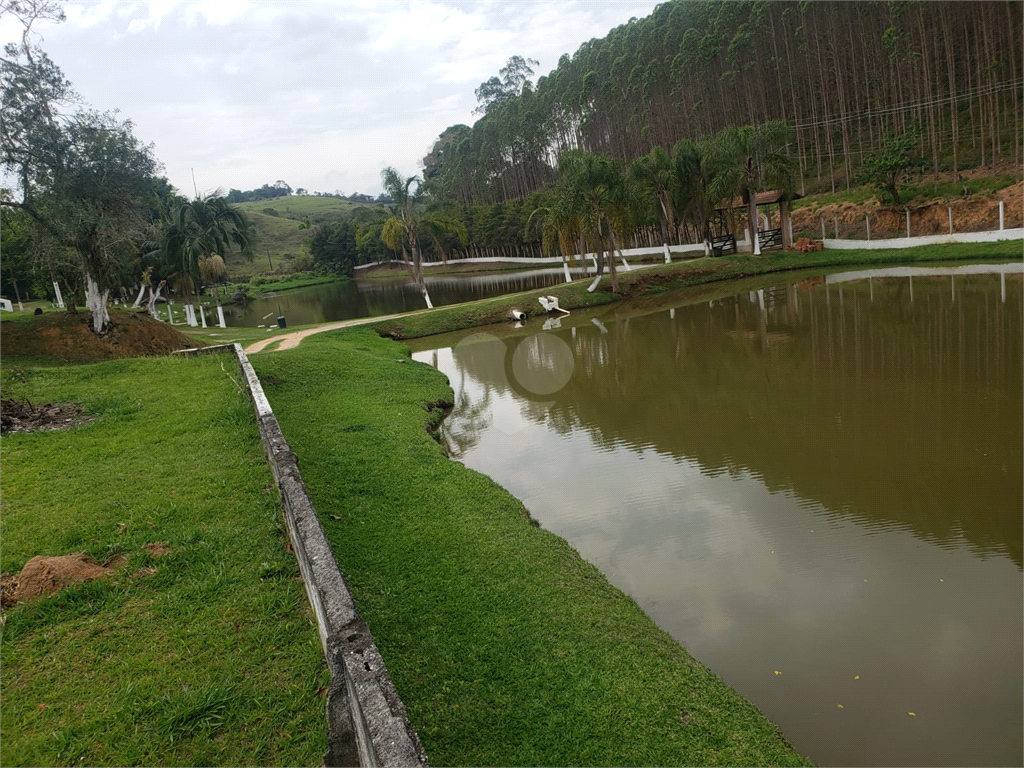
(22, 416)
(44, 576)
(68, 337)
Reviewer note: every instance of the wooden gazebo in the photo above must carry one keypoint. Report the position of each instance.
(723, 238)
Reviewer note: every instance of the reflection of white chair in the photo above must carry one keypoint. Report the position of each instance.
(550, 304)
(552, 322)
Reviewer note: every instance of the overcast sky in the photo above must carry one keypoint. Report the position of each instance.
(320, 94)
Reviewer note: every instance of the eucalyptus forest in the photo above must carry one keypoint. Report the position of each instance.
(941, 81)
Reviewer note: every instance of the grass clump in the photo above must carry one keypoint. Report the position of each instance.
(506, 647)
(197, 652)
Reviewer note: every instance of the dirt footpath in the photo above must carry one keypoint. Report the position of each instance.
(291, 340)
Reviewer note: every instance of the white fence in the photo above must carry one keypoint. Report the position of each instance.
(991, 236)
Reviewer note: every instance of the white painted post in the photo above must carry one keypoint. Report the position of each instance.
(950, 209)
(220, 317)
(668, 255)
(202, 314)
(60, 299)
(908, 221)
(192, 316)
(565, 268)
(1000, 215)
(867, 223)
(757, 244)
(170, 314)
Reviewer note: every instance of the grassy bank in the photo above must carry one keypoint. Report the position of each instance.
(506, 647)
(260, 285)
(205, 655)
(664, 277)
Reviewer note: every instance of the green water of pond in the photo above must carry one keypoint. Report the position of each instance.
(813, 483)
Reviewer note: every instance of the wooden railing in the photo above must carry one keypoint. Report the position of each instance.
(723, 244)
(771, 239)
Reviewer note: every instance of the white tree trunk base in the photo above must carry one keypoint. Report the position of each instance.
(96, 301)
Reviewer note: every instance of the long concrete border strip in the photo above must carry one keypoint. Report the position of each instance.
(367, 724)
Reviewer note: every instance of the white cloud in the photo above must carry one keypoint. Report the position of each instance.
(321, 94)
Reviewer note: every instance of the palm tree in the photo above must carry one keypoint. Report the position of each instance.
(658, 173)
(410, 224)
(595, 189)
(749, 158)
(197, 229)
(560, 229)
(694, 201)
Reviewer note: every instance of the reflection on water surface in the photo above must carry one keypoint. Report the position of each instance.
(372, 297)
(820, 479)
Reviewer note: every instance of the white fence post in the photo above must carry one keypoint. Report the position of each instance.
(908, 221)
(60, 299)
(950, 208)
(1001, 215)
(867, 223)
(220, 317)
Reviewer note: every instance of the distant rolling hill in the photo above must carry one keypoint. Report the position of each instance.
(277, 227)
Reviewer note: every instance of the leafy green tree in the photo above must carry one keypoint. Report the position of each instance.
(333, 246)
(891, 166)
(82, 176)
(515, 76)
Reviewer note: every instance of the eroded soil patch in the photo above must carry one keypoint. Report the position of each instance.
(23, 416)
(43, 576)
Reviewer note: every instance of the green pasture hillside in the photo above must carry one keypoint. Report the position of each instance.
(319, 209)
(280, 238)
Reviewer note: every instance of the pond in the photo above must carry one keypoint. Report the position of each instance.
(371, 297)
(813, 482)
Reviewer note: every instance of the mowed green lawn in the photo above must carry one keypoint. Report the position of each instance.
(506, 647)
(206, 655)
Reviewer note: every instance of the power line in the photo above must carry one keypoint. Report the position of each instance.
(909, 106)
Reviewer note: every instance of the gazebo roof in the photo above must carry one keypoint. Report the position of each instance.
(762, 198)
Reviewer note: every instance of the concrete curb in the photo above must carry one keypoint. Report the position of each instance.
(367, 724)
